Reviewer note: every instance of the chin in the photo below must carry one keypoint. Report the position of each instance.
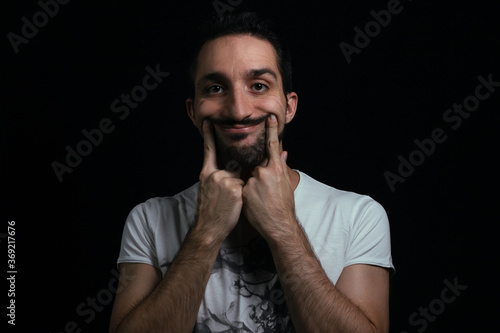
(244, 153)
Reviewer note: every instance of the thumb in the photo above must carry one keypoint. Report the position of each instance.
(284, 156)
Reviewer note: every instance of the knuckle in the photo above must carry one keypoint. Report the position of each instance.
(236, 191)
(257, 172)
(217, 176)
(207, 148)
(273, 143)
(206, 175)
(250, 183)
(265, 173)
(203, 175)
(277, 169)
(227, 183)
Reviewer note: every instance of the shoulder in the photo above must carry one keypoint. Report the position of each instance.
(155, 209)
(344, 227)
(312, 192)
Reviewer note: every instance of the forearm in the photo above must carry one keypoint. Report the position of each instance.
(315, 304)
(174, 303)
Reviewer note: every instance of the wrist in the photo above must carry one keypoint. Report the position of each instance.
(289, 234)
(206, 238)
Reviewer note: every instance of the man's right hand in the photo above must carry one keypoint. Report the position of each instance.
(220, 192)
(150, 303)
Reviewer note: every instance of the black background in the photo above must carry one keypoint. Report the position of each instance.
(354, 120)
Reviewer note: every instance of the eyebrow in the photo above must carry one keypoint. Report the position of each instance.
(218, 76)
(262, 71)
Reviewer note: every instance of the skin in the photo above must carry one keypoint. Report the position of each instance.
(260, 199)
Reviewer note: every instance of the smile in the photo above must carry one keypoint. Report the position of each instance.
(234, 129)
(238, 130)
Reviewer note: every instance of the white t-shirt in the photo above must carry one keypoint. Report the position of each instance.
(244, 292)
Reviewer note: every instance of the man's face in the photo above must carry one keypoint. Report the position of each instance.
(237, 86)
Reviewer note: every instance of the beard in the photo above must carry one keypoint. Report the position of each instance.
(245, 157)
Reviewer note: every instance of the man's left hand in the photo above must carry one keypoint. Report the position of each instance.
(268, 195)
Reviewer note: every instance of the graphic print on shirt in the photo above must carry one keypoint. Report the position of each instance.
(253, 299)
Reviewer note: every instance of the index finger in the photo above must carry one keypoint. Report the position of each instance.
(273, 144)
(210, 157)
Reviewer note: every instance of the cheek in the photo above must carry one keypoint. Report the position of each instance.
(277, 107)
(205, 109)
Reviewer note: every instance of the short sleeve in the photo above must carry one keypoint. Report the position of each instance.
(138, 241)
(369, 236)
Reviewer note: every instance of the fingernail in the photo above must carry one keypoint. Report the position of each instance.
(272, 117)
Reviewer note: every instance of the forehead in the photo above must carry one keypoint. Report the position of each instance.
(236, 54)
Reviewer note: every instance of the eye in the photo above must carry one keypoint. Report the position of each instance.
(259, 87)
(215, 89)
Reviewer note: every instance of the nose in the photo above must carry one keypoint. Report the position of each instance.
(238, 105)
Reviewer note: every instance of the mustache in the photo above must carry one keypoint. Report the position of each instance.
(244, 122)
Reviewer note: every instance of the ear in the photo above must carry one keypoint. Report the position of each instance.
(291, 107)
(190, 110)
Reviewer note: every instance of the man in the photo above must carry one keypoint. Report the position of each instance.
(255, 246)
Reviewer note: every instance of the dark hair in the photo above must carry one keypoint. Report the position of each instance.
(244, 23)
